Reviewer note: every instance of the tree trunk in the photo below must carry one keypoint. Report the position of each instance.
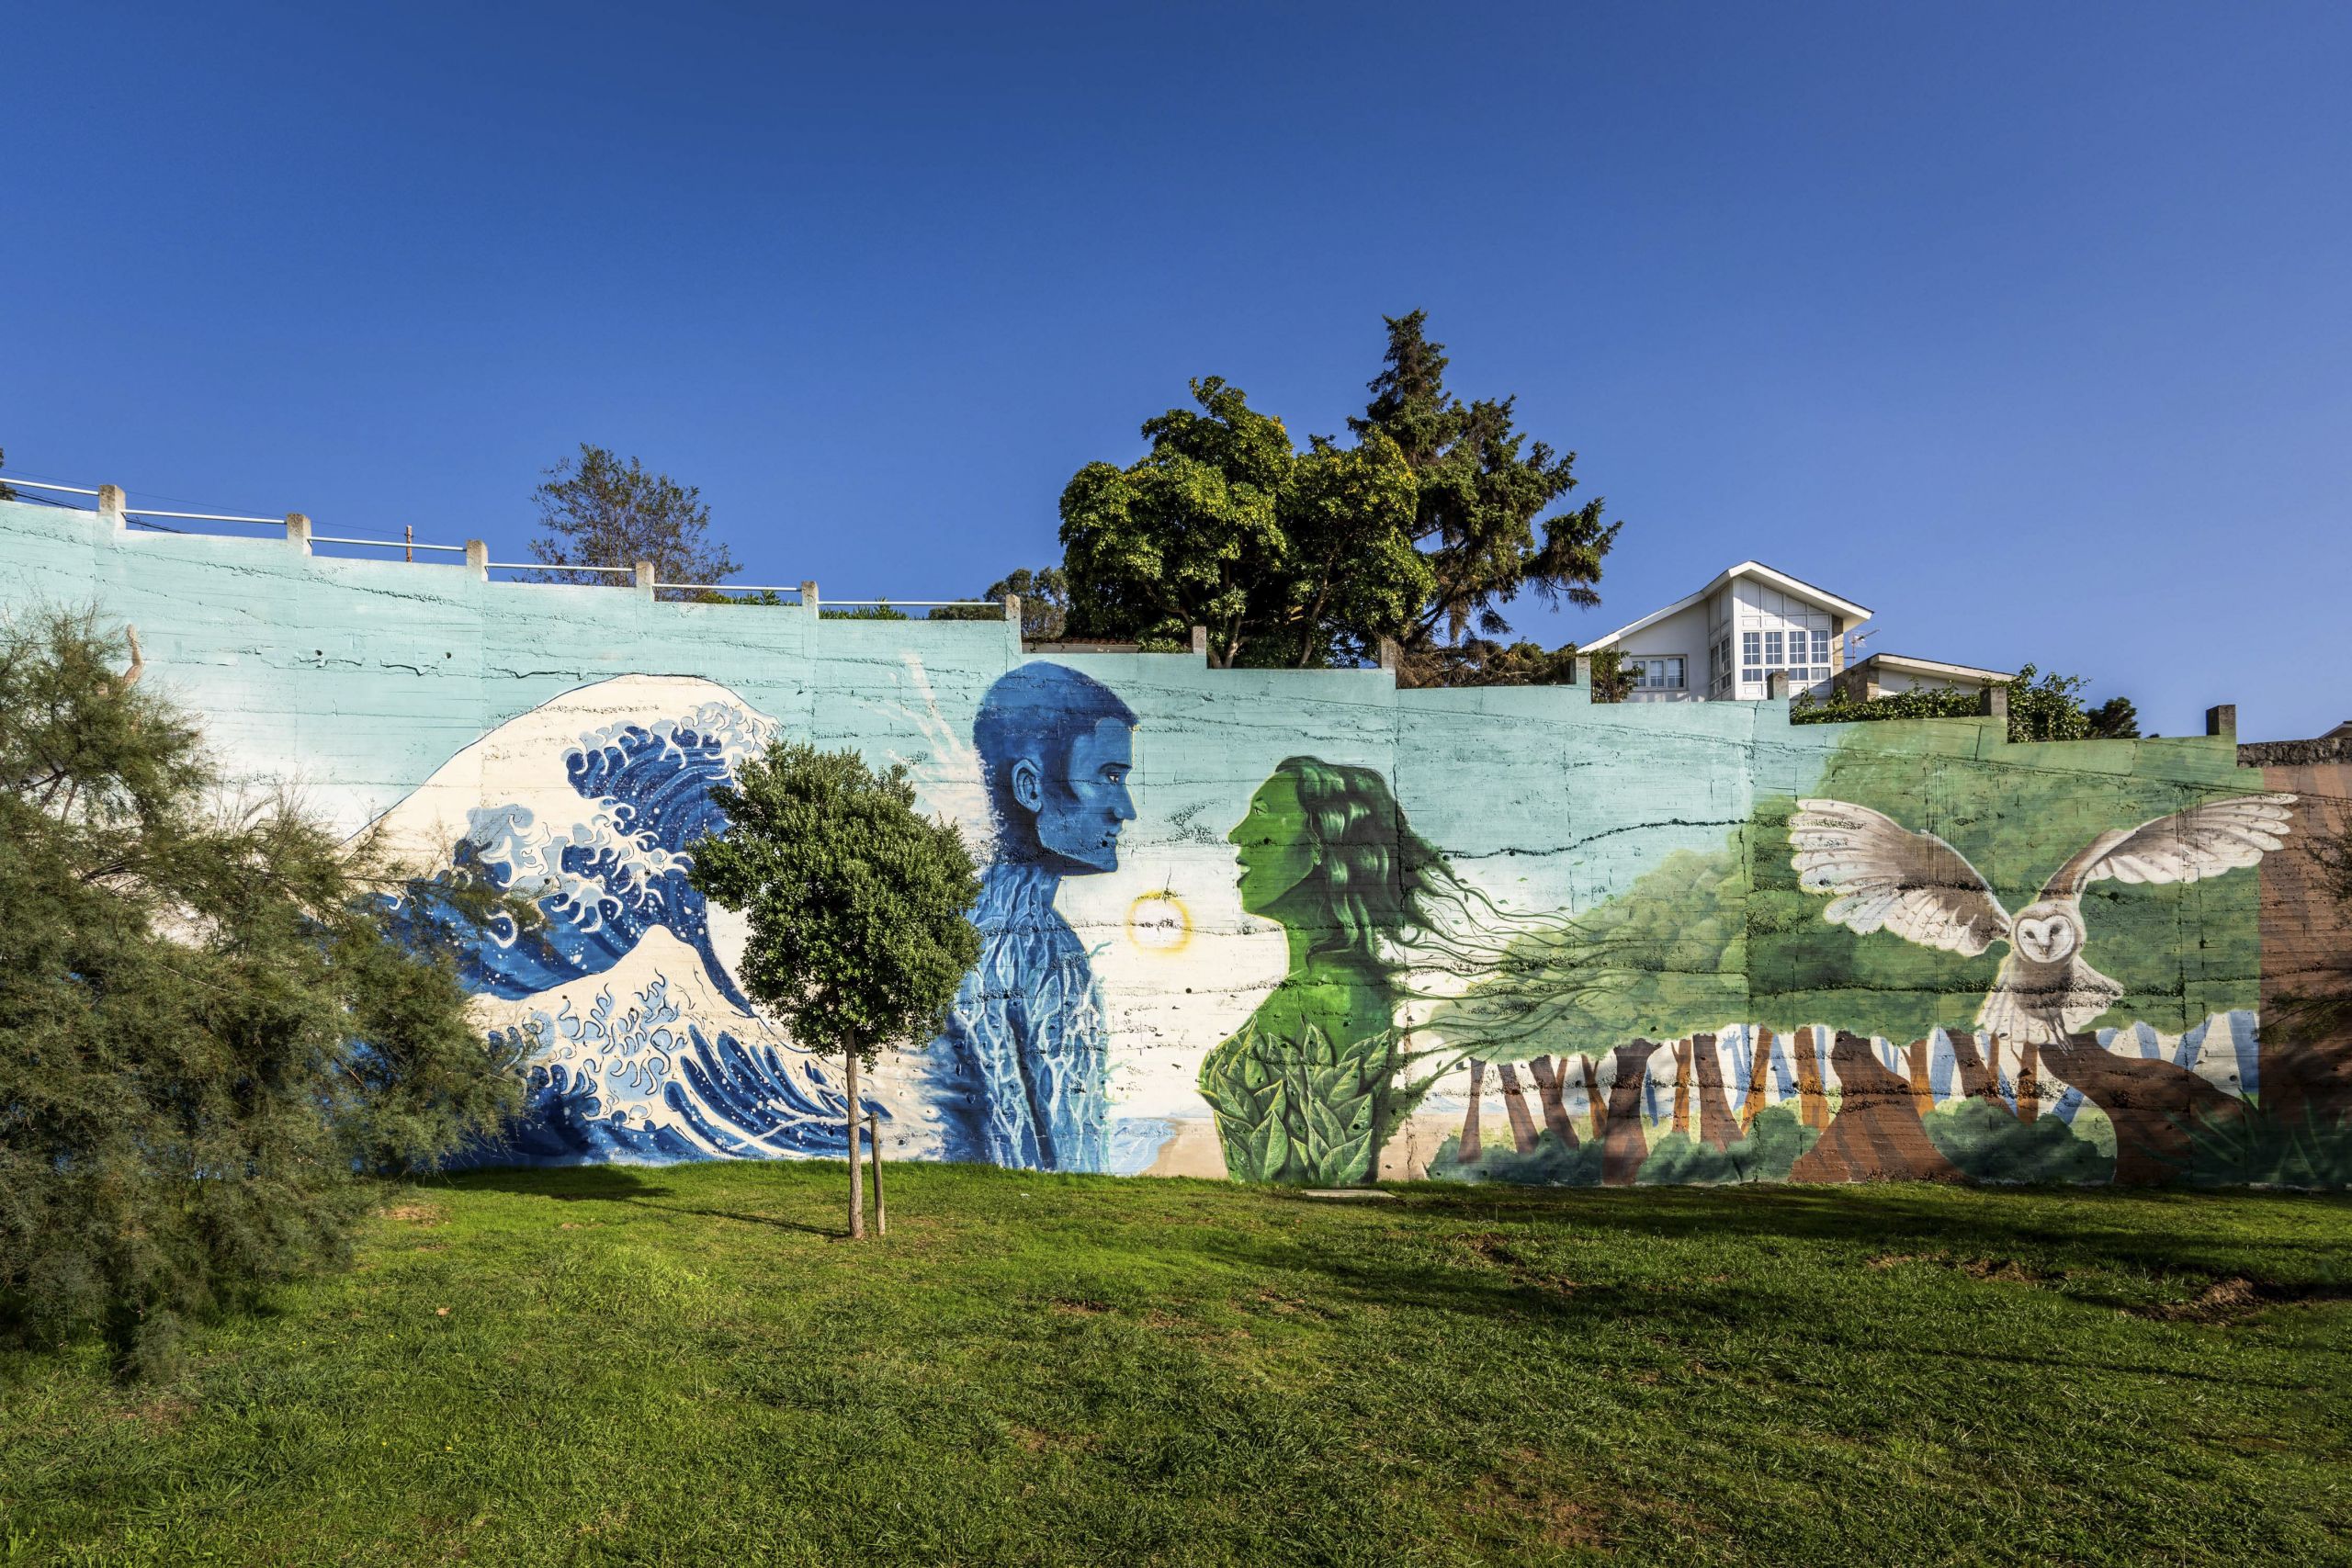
(2152, 1102)
(1470, 1151)
(1624, 1147)
(1594, 1106)
(1876, 1135)
(1976, 1080)
(1759, 1077)
(1717, 1126)
(2306, 1064)
(1555, 1108)
(2028, 1082)
(857, 1173)
(1813, 1106)
(873, 1135)
(1923, 1083)
(1683, 1087)
(1522, 1125)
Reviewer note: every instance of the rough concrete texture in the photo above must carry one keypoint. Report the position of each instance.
(1294, 926)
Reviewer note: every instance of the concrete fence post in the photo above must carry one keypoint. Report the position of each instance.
(1584, 673)
(1013, 608)
(1201, 641)
(645, 578)
(1390, 655)
(1776, 686)
(1996, 703)
(2222, 719)
(297, 531)
(808, 597)
(110, 506)
(477, 560)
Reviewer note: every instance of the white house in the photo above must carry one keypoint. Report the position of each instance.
(1725, 641)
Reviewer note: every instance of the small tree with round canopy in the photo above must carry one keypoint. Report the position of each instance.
(856, 904)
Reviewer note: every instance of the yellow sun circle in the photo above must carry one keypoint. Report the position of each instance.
(1158, 923)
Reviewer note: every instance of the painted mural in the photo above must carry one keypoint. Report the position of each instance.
(1027, 1048)
(1303, 926)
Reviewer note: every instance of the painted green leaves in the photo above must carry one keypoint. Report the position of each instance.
(1306, 1110)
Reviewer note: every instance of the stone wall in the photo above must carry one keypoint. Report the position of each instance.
(1296, 926)
(2333, 747)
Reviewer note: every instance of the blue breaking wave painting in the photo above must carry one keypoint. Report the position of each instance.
(641, 1044)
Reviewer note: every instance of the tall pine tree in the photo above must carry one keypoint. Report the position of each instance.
(1483, 490)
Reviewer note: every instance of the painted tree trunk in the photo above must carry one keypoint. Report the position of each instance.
(1976, 1080)
(1813, 1108)
(2152, 1102)
(1548, 1095)
(1876, 1135)
(1471, 1152)
(1717, 1126)
(1759, 1078)
(1625, 1146)
(1595, 1106)
(1522, 1125)
(1683, 1087)
(857, 1172)
(2306, 1067)
(1923, 1083)
(2028, 1082)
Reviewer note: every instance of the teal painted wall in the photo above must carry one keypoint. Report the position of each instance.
(1553, 871)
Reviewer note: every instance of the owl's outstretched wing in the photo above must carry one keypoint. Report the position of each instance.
(2204, 840)
(1884, 875)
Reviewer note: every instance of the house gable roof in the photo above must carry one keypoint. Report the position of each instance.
(1794, 587)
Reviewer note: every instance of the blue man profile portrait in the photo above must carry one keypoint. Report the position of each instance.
(1027, 1044)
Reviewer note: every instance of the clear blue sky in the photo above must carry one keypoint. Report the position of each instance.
(2030, 327)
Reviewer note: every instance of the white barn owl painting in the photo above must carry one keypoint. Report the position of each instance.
(1886, 876)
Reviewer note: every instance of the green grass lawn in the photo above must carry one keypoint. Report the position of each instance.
(683, 1366)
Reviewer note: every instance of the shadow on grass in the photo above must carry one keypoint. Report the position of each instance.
(1493, 1253)
(615, 1184)
(2280, 1242)
(2164, 1231)
(831, 1232)
(565, 1184)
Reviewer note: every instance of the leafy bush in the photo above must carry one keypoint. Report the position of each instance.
(210, 1020)
(1989, 1143)
(1775, 1140)
(2050, 708)
(1549, 1164)
(2258, 1148)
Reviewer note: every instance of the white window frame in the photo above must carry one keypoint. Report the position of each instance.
(1671, 670)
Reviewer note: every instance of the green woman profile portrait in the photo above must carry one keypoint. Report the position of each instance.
(1308, 1090)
